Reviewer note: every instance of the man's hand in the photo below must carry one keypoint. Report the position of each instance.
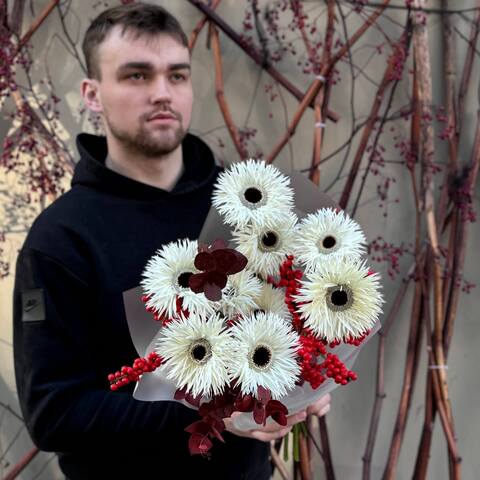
(320, 407)
(273, 430)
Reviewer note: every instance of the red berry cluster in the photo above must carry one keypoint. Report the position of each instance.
(356, 341)
(161, 317)
(310, 349)
(337, 370)
(289, 279)
(132, 374)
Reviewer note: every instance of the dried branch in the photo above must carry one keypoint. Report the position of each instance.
(199, 26)
(467, 71)
(22, 464)
(220, 93)
(279, 464)
(37, 23)
(380, 376)
(327, 454)
(388, 76)
(253, 54)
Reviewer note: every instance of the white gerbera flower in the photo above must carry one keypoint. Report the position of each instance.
(340, 299)
(272, 300)
(166, 277)
(252, 191)
(328, 234)
(238, 296)
(196, 352)
(266, 246)
(264, 354)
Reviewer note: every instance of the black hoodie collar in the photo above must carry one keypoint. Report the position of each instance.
(199, 169)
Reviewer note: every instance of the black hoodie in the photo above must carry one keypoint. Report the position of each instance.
(70, 329)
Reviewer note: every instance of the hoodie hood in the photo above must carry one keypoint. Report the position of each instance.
(91, 172)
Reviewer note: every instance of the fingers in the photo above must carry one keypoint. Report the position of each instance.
(296, 418)
(321, 406)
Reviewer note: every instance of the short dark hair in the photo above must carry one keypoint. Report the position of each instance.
(139, 18)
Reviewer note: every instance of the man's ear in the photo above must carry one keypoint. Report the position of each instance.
(89, 89)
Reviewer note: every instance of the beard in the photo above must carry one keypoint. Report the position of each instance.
(148, 142)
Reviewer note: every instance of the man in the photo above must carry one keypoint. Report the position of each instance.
(146, 184)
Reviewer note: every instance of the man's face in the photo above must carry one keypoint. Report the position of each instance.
(145, 91)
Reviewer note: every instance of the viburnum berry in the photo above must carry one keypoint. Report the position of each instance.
(132, 374)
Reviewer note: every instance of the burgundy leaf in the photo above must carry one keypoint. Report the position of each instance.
(205, 261)
(245, 404)
(197, 281)
(224, 259)
(263, 394)
(280, 418)
(259, 414)
(213, 292)
(195, 401)
(180, 394)
(276, 406)
(205, 409)
(199, 444)
(217, 278)
(217, 434)
(199, 427)
(239, 264)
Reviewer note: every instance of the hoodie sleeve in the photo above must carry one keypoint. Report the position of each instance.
(65, 403)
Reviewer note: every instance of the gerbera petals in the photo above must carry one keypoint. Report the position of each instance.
(266, 246)
(196, 352)
(167, 278)
(264, 354)
(328, 234)
(340, 299)
(252, 192)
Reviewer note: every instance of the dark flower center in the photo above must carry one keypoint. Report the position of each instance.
(329, 242)
(261, 357)
(339, 297)
(200, 351)
(253, 195)
(270, 239)
(183, 279)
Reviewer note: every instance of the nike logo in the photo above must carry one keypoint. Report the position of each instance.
(30, 305)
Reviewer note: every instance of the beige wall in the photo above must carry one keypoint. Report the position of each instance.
(349, 419)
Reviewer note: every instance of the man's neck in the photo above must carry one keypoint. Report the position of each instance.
(162, 172)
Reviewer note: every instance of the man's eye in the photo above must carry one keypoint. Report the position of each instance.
(137, 76)
(178, 77)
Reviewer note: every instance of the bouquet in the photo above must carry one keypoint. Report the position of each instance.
(262, 315)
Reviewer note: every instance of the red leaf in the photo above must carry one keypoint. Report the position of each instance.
(276, 406)
(199, 444)
(280, 418)
(245, 403)
(217, 433)
(199, 427)
(195, 401)
(213, 292)
(224, 259)
(205, 261)
(259, 414)
(217, 278)
(179, 394)
(239, 264)
(263, 394)
(196, 282)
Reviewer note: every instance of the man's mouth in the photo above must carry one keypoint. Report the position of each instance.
(163, 116)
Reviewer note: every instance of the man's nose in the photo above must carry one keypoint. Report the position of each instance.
(160, 92)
